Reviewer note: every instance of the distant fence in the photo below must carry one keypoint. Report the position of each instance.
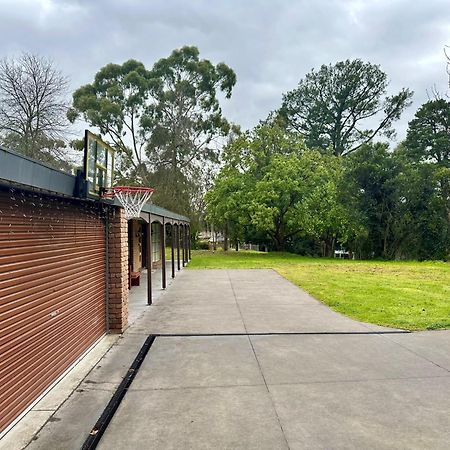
(245, 246)
(250, 247)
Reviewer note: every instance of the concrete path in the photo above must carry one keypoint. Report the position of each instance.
(137, 298)
(249, 361)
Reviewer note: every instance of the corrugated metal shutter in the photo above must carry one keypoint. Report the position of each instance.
(52, 292)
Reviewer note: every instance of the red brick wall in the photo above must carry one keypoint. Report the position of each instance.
(118, 272)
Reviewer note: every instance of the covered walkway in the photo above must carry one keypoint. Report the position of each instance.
(243, 359)
(137, 296)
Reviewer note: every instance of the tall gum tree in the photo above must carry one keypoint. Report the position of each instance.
(115, 103)
(185, 121)
(162, 121)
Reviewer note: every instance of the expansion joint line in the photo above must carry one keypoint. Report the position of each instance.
(286, 333)
(247, 334)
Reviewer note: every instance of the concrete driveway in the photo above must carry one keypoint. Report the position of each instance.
(246, 360)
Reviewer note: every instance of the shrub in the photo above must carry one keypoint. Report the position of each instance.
(201, 245)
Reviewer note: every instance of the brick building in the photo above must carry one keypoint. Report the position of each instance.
(65, 274)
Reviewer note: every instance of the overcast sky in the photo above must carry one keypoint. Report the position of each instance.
(270, 44)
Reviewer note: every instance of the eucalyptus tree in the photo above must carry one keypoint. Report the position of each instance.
(163, 121)
(185, 121)
(185, 115)
(115, 103)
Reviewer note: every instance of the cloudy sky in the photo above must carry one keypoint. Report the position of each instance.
(270, 44)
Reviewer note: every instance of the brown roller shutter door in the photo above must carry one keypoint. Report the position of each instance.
(52, 292)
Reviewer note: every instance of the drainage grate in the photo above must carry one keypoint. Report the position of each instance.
(102, 423)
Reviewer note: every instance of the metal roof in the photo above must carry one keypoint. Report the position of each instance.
(154, 209)
(27, 173)
(20, 170)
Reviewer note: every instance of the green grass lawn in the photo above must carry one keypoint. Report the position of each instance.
(410, 295)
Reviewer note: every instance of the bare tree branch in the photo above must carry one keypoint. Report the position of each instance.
(33, 106)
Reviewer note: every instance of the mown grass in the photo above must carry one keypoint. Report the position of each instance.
(410, 295)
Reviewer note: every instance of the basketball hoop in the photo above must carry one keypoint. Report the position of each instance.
(132, 198)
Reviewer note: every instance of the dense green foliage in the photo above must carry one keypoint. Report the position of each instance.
(400, 205)
(428, 145)
(428, 138)
(376, 203)
(273, 185)
(405, 294)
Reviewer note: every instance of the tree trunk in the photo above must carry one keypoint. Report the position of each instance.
(280, 245)
(328, 250)
(385, 241)
(279, 237)
(225, 238)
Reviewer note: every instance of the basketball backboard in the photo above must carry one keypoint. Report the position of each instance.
(98, 164)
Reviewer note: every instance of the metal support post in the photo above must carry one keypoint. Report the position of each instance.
(178, 246)
(149, 261)
(163, 255)
(172, 245)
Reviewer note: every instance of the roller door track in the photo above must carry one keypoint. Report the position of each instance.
(52, 292)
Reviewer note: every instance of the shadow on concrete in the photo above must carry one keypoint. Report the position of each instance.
(137, 304)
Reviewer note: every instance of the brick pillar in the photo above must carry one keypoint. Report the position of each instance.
(118, 272)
